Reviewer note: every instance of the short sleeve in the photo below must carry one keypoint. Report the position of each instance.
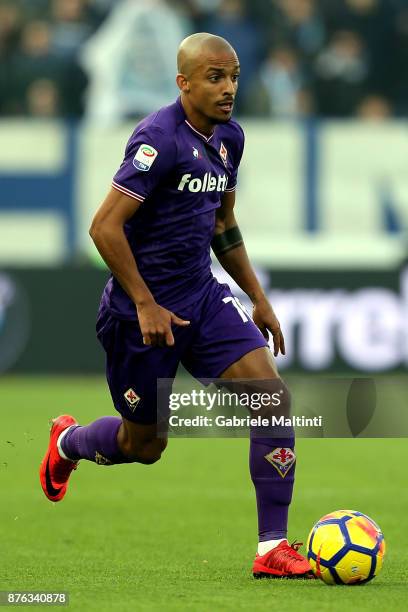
(149, 157)
(236, 158)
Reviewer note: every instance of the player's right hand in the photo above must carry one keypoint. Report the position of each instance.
(155, 324)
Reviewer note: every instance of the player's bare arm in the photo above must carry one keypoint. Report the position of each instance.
(107, 232)
(230, 251)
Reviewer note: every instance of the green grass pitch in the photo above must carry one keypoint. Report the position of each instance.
(181, 534)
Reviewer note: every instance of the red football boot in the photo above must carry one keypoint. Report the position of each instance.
(283, 561)
(54, 470)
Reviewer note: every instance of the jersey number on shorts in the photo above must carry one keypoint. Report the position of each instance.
(239, 307)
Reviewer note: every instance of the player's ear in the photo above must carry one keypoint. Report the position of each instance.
(182, 83)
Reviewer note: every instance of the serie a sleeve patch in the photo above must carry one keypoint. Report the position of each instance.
(144, 158)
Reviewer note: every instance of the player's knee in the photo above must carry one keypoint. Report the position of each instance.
(142, 455)
(146, 453)
(147, 458)
(276, 399)
(151, 453)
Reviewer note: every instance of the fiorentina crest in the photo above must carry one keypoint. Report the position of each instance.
(282, 459)
(131, 398)
(223, 153)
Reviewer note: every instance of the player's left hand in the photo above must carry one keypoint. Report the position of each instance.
(265, 319)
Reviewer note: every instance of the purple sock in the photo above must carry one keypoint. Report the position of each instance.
(272, 466)
(96, 442)
(273, 479)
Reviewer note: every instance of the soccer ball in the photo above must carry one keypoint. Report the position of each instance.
(346, 547)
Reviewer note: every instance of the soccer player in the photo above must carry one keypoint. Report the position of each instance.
(171, 200)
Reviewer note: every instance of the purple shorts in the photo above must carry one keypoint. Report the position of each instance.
(219, 334)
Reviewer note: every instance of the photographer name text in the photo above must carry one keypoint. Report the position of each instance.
(248, 421)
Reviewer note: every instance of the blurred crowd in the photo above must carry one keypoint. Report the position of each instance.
(113, 59)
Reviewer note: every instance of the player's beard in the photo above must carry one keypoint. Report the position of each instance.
(219, 120)
(222, 119)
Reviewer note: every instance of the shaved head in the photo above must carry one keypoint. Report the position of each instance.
(199, 48)
(208, 72)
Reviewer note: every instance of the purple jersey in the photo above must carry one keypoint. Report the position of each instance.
(179, 176)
